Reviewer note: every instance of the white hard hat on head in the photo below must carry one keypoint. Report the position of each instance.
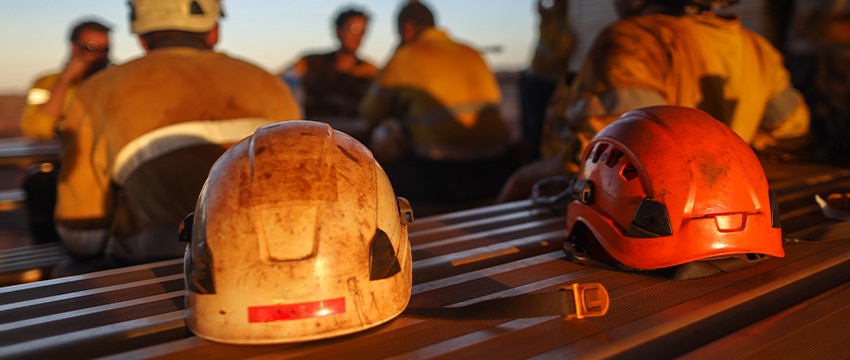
(186, 15)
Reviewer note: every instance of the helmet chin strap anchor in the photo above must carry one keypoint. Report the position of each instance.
(567, 190)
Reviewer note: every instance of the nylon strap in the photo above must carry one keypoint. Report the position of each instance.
(577, 300)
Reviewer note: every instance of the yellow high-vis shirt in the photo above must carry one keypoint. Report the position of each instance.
(34, 123)
(702, 61)
(446, 96)
(139, 139)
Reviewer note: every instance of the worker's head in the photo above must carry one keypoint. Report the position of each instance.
(162, 23)
(90, 40)
(350, 27)
(626, 8)
(412, 20)
(553, 8)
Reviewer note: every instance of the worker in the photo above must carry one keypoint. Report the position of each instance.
(43, 115)
(335, 82)
(665, 52)
(435, 105)
(140, 137)
(47, 98)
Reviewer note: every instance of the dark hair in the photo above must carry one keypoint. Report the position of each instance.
(417, 14)
(348, 14)
(166, 38)
(87, 25)
(701, 4)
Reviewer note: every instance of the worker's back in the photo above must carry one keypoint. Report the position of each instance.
(701, 61)
(448, 96)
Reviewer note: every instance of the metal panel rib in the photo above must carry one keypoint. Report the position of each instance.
(60, 286)
(489, 232)
(99, 291)
(31, 257)
(470, 215)
(419, 236)
(485, 256)
(102, 340)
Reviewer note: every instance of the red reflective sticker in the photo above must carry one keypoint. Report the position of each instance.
(296, 311)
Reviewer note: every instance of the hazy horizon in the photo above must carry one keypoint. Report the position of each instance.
(269, 33)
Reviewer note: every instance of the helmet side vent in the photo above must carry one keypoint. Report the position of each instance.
(195, 9)
(616, 156)
(599, 151)
(383, 262)
(629, 172)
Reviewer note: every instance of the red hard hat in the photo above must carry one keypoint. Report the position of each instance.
(669, 185)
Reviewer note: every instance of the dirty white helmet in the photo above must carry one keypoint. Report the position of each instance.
(186, 15)
(297, 235)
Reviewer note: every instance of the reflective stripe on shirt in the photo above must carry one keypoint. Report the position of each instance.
(37, 96)
(178, 136)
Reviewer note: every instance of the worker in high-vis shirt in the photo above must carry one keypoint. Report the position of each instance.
(42, 119)
(140, 138)
(50, 94)
(674, 53)
(442, 100)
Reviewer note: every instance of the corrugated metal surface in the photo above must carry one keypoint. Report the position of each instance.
(814, 329)
(459, 258)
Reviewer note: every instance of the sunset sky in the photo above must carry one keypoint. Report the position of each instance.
(269, 33)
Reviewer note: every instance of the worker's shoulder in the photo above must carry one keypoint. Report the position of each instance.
(185, 63)
(436, 50)
(653, 23)
(44, 80)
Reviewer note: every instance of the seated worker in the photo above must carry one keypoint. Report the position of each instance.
(676, 52)
(140, 137)
(548, 67)
(445, 100)
(335, 82)
(47, 99)
(42, 118)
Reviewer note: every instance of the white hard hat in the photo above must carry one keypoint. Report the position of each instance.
(186, 15)
(297, 235)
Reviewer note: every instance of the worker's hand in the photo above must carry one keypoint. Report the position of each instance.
(388, 142)
(521, 182)
(76, 67)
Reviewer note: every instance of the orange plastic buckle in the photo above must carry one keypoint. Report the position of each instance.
(591, 299)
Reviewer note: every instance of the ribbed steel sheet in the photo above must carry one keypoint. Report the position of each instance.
(469, 256)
